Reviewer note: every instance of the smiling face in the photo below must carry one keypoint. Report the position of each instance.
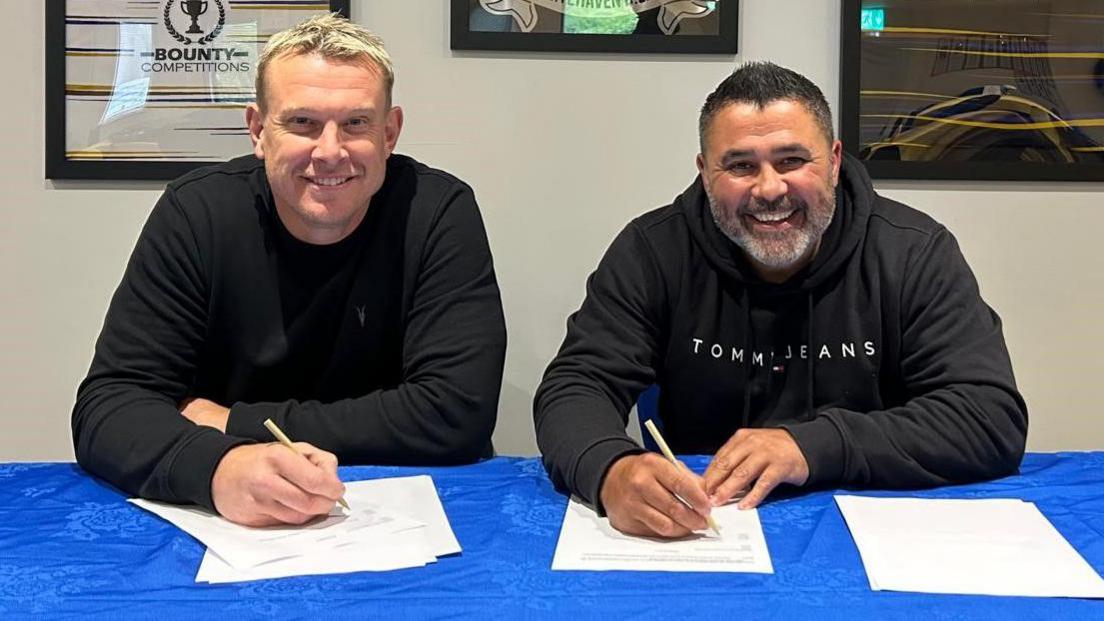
(325, 134)
(770, 176)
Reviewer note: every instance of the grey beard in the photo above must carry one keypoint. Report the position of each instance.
(775, 251)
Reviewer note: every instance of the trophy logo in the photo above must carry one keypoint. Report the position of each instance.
(194, 9)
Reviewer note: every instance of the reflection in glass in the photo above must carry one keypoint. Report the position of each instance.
(982, 80)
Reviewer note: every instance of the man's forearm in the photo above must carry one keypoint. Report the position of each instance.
(411, 424)
(139, 442)
(952, 435)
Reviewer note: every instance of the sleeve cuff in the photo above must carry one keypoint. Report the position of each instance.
(822, 445)
(247, 420)
(194, 467)
(590, 472)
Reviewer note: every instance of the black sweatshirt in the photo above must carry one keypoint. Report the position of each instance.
(386, 347)
(880, 358)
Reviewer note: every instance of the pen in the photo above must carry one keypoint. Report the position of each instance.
(271, 426)
(652, 429)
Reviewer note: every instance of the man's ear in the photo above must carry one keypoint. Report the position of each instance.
(254, 120)
(837, 161)
(700, 163)
(393, 129)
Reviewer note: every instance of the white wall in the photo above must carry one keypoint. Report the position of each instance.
(562, 150)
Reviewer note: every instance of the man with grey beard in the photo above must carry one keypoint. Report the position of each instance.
(801, 328)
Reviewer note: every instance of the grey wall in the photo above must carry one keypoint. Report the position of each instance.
(562, 150)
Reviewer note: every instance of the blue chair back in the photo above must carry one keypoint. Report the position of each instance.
(647, 408)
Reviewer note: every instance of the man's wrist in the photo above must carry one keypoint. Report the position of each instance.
(193, 469)
(595, 464)
(822, 446)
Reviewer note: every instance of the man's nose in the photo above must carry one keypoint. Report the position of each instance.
(329, 147)
(769, 186)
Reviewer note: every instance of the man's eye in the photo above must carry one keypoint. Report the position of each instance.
(741, 167)
(358, 124)
(299, 120)
(792, 162)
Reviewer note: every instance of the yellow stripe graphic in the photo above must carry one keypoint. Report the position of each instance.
(961, 32)
(904, 94)
(899, 144)
(992, 125)
(1089, 55)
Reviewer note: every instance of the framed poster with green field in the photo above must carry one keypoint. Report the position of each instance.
(643, 26)
(153, 89)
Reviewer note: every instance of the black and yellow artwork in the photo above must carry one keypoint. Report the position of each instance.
(988, 89)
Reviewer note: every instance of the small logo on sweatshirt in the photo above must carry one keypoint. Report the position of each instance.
(360, 311)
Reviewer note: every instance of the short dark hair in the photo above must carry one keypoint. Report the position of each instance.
(763, 83)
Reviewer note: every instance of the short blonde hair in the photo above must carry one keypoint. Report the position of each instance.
(333, 37)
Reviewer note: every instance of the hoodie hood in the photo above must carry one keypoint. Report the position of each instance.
(854, 199)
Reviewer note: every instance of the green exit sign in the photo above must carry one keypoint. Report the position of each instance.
(873, 19)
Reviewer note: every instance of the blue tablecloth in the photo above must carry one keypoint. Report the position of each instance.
(71, 546)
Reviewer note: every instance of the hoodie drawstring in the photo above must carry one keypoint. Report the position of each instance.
(812, 360)
(810, 384)
(745, 416)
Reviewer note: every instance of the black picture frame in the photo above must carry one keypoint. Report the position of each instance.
(58, 165)
(724, 42)
(850, 98)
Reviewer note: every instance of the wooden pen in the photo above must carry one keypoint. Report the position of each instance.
(271, 426)
(652, 429)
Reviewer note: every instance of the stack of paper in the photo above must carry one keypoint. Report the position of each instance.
(393, 524)
(588, 542)
(980, 547)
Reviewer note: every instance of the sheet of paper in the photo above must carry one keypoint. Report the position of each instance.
(588, 542)
(410, 496)
(244, 547)
(407, 549)
(978, 547)
(394, 523)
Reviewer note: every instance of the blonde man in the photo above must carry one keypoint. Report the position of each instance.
(324, 282)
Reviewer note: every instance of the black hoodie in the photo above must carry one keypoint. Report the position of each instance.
(880, 358)
(385, 347)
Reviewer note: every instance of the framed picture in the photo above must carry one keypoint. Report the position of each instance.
(660, 26)
(973, 89)
(150, 90)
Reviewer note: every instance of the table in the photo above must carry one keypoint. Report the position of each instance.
(71, 546)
